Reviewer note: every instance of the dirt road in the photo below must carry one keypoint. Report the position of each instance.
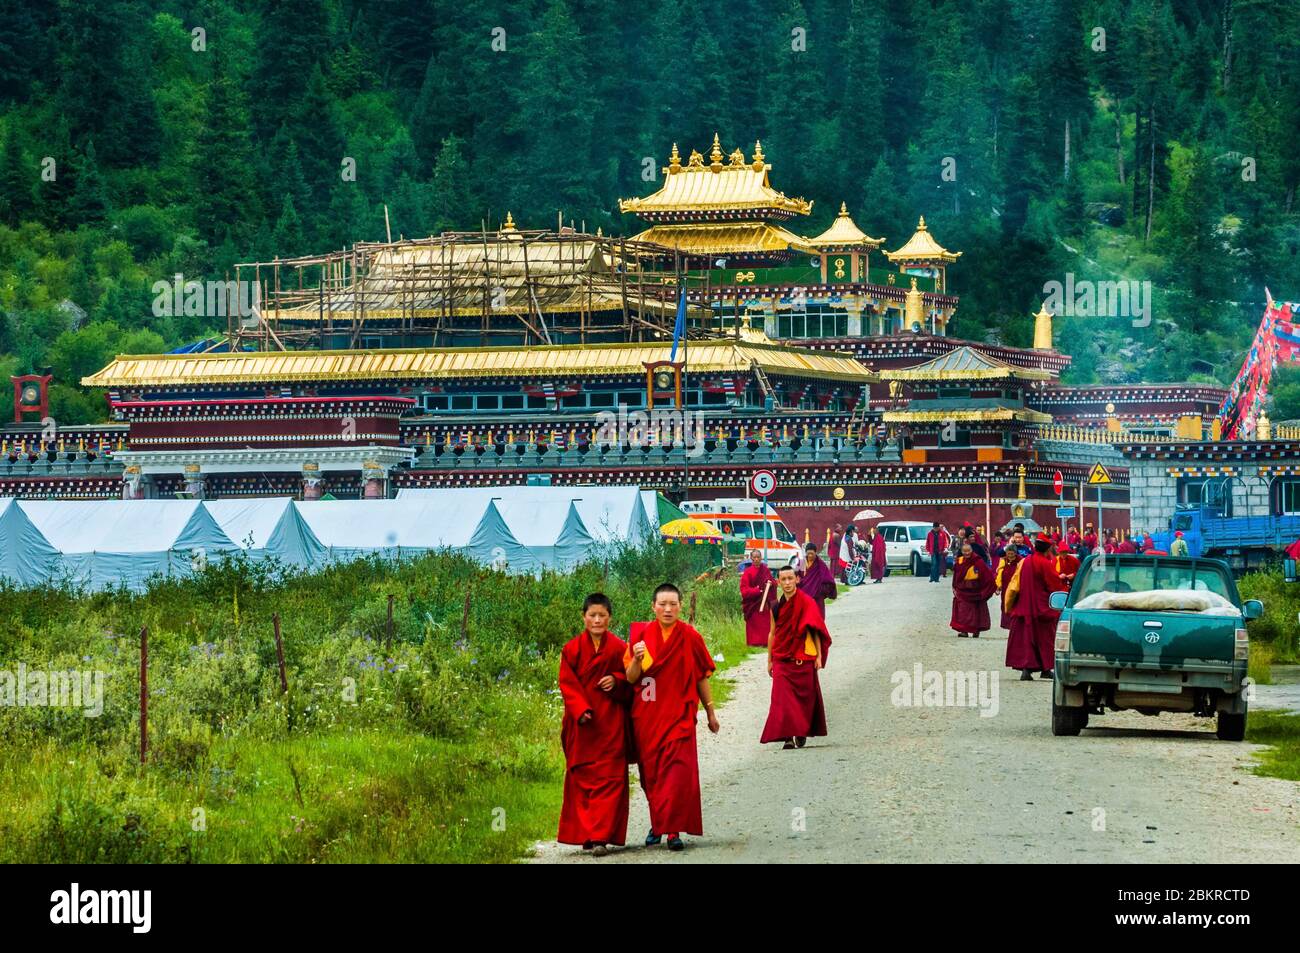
(898, 782)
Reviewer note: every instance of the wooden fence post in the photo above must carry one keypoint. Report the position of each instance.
(144, 693)
(279, 654)
(389, 625)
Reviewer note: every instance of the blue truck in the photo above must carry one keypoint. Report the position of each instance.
(1244, 542)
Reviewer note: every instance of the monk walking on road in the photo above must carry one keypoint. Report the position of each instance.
(972, 584)
(1031, 643)
(669, 666)
(757, 590)
(796, 652)
(594, 733)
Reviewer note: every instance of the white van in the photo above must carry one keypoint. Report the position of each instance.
(743, 524)
(905, 544)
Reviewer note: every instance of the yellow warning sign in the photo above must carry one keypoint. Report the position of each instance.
(1098, 474)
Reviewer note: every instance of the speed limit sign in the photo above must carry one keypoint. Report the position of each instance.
(763, 482)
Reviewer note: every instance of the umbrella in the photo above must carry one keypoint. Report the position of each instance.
(690, 530)
(868, 515)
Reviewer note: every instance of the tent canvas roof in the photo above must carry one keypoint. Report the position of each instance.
(126, 526)
(26, 557)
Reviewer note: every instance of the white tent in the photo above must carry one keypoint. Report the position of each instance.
(393, 528)
(106, 543)
(609, 514)
(26, 557)
(269, 527)
(554, 534)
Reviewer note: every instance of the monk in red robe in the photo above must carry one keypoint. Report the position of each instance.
(1066, 565)
(669, 666)
(1031, 646)
(796, 652)
(1007, 567)
(877, 546)
(817, 580)
(594, 733)
(972, 584)
(757, 590)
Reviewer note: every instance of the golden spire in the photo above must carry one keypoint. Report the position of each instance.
(844, 210)
(716, 155)
(1043, 329)
(1020, 493)
(758, 156)
(674, 161)
(914, 308)
(509, 224)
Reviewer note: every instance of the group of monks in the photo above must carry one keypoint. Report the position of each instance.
(636, 702)
(1024, 575)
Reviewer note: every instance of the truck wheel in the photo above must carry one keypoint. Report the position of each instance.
(1068, 721)
(916, 564)
(1231, 727)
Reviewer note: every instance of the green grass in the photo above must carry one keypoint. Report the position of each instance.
(1277, 627)
(444, 747)
(1281, 731)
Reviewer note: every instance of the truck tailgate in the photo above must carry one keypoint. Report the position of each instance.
(1159, 638)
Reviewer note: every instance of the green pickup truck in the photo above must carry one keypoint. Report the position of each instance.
(1151, 634)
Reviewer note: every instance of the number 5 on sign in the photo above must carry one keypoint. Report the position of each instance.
(763, 482)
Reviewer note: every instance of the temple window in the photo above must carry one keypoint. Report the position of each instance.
(1290, 497)
(961, 438)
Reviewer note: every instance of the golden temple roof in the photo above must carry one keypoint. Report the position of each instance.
(708, 238)
(965, 364)
(844, 232)
(422, 364)
(982, 414)
(698, 187)
(922, 247)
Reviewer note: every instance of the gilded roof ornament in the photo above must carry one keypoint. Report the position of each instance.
(737, 159)
(843, 233)
(758, 156)
(509, 224)
(674, 161)
(715, 156)
(696, 161)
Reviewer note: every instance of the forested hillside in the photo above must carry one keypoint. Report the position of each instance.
(1138, 139)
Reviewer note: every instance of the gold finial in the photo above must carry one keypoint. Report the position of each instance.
(509, 224)
(1020, 493)
(844, 210)
(758, 156)
(920, 226)
(674, 160)
(1043, 329)
(914, 307)
(715, 156)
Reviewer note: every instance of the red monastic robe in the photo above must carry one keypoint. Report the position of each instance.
(818, 582)
(1006, 569)
(1031, 644)
(796, 710)
(664, 706)
(757, 623)
(877, 557)
(595, 753)
(972, 584)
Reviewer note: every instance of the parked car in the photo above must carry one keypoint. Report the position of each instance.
(1152, 659)
(905, 544)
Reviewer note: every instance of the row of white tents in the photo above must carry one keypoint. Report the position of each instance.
(103, 544)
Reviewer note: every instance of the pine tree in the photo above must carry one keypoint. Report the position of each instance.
(18, 175)
(287, 237)
(90, 203)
